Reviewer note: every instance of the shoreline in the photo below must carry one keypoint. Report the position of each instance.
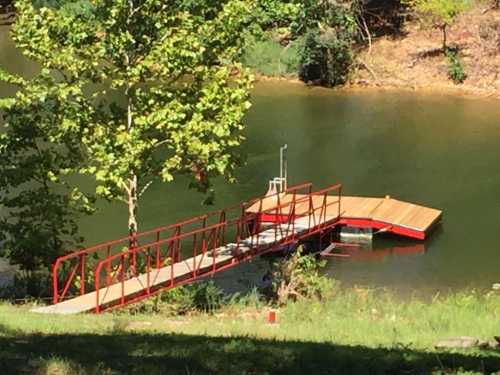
(464, 90)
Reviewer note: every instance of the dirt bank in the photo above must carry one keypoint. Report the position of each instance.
(413, 60)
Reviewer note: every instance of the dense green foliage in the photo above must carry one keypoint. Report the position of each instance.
(456, 70)
(40, 205)
(298, 277)
(198, 297)
(129, 93)
(326, 58)
(325, 32)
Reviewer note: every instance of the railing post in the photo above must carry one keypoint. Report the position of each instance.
(97, 285)
(55, 286)
(279, 217)
(172, 261)
(340, 200)
(122, 277)
(148, 270)
(214, 248)
(108, 266)
(238, 237)
(177, 245)
(157, 254)
(82, 274)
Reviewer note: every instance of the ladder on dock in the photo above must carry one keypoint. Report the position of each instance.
(118, 273)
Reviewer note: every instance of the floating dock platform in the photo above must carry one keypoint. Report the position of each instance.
(382, 214)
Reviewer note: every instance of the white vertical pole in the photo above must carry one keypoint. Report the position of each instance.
(283, 168)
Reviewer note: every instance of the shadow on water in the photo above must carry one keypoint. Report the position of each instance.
(124, 352)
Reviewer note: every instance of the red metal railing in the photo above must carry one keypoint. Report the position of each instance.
(259, 226)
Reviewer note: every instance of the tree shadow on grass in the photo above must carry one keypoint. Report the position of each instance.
(155, 353)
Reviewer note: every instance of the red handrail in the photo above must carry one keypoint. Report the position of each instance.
(246, 226)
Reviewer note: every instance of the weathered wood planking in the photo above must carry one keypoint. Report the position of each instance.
(386, 210)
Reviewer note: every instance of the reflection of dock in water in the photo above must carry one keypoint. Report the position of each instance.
(358, 252)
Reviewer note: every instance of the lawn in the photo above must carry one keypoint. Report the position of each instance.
(358, 331)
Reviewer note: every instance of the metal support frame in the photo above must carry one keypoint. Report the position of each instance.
(208, 233)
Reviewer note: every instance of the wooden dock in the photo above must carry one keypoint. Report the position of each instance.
(391, 215)
(265, 224)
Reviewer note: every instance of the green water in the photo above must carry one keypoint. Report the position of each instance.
(436, 150)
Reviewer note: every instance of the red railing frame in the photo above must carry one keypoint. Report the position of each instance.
(247, 226)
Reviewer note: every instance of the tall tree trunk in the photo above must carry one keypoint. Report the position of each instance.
(132, 181)
(132, 205)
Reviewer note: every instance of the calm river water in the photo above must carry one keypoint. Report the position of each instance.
(436, 150)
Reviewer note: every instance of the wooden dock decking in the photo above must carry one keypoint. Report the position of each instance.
(378, 213)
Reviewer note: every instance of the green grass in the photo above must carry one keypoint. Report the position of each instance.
(358, 331)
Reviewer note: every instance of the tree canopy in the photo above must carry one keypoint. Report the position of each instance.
(441, 13)
(149, 88)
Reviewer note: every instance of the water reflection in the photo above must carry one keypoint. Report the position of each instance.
(366, 251)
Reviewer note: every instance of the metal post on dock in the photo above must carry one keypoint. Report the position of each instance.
(283, 168)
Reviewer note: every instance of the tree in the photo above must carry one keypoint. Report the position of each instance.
(441, 13)
(39, 206)
(326, 55)
(153, 86)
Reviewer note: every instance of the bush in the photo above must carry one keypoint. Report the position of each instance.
(298, 277)
(455, 70)
(203, 297)
(278, 13)
(27, 285)
(325, 58)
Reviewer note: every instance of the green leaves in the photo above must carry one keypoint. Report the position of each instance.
(439, 11)
(128, 92)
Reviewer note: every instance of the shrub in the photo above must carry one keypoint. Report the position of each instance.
(199, 297)
(455, 70)
(27, 285)
(298, 277)
(325, 57)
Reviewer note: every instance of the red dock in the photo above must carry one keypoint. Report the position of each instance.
(128, 270)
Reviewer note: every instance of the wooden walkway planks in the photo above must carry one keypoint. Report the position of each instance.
(385, 210)
(163, 276)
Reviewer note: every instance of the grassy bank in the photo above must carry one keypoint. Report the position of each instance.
(357, 331)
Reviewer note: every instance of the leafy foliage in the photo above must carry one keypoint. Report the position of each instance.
(151, 88)
(441, 13)
(326, 55)
(326, 31)
(298, 277)
(279, 13)
(456, 70)
(40, 205)
(325, 58)
(203, 297)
